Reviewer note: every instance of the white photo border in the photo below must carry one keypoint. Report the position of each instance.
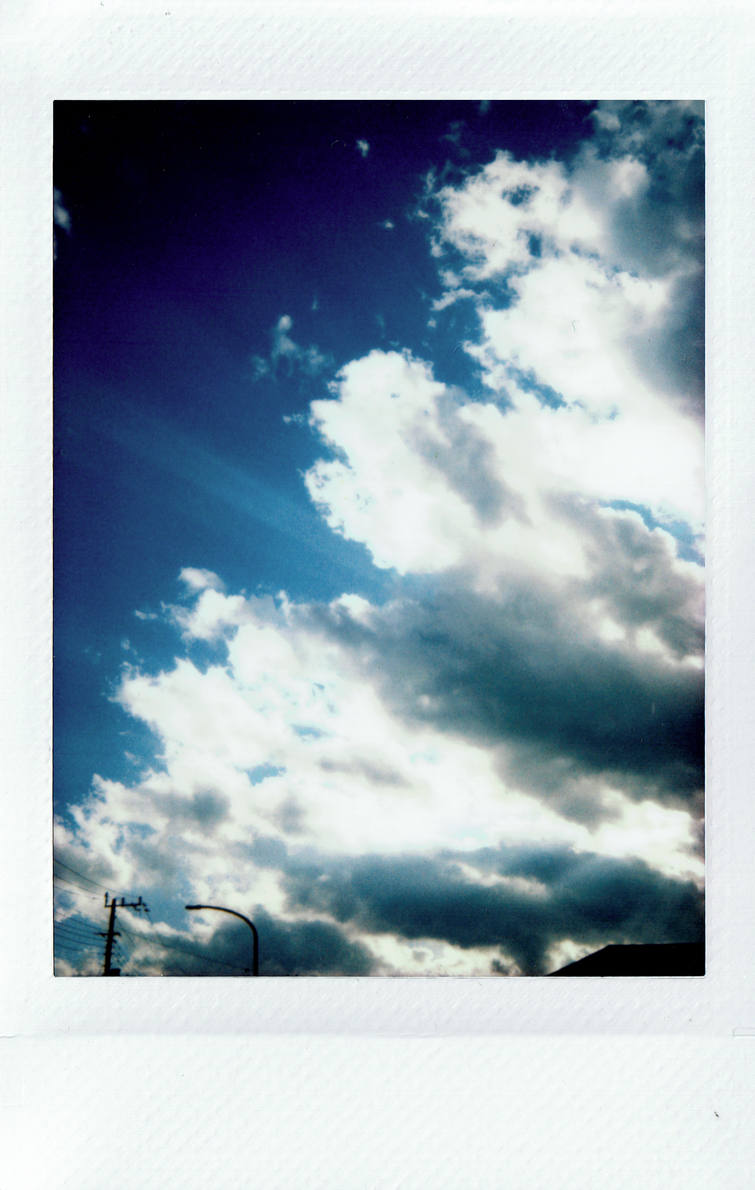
(88, 49)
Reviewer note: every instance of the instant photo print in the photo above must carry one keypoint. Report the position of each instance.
(379, 523)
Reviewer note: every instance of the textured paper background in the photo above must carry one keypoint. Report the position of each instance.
(372, 1082)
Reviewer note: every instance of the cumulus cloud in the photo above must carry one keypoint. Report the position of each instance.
(614, 243)
(500, 768)
(403, 441)
(355, 755)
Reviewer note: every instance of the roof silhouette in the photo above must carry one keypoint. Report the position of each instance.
(670, 958)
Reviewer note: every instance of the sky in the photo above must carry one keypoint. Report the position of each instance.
(379, 533)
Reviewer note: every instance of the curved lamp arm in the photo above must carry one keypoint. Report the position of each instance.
(253, 928)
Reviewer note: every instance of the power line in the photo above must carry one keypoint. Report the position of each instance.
(77, 923)
(82, 946)
(75, 928)
(181, 950)
(83, 943)
(75, 931)
(81, 875)
(154, 948)
(151, 954)
(81, 892)
(74, 907)
(112, 933)
(137, 937)
(77, 917)
(72, 942)
(80, 915)
(197, 954)
(69, 952)
(67, 946)
(64, 892)
(74, 883)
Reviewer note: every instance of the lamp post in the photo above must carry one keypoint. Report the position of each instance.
(253, 928)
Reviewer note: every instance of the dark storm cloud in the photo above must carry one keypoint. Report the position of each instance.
(590, 899)
(286, 948)
(520, 669)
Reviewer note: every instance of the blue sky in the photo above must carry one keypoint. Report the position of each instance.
(379, 532)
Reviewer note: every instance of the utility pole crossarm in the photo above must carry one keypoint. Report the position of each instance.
(112, 933)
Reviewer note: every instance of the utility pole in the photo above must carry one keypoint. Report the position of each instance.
(112, 933)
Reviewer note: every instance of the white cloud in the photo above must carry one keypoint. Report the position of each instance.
(455, 294)
(572, 324)
(492, 216)
(401, 483)
(384, 401)
(301, 708)
(200, 580)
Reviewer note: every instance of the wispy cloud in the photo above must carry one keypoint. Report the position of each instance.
(308, 360)
(60, 213)
(61, 217)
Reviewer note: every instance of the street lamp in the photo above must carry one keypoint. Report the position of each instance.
(253, 928)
